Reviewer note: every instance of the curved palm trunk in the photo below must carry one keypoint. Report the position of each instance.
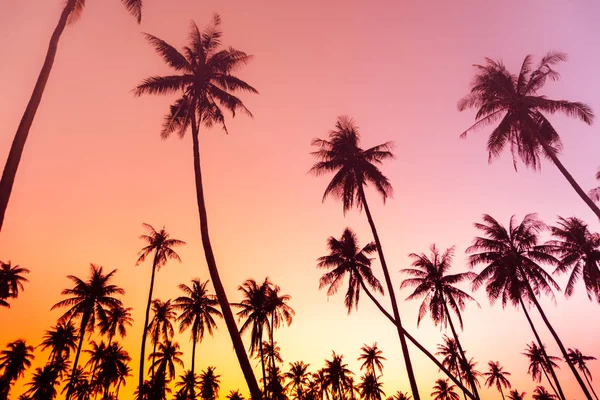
(195, 340)
(214, 272)
(462, 352)
(390, 287)
(147, 317)
(18, 144)
(84, 322)
(590, 384)
(501, 392)
(558, 388)
(456, 381)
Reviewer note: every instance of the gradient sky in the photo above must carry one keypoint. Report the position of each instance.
(95, 168)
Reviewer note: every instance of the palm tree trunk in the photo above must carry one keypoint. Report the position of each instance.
(262, 362)
(214, 272)
(558, 389)
(18, 144)
(147, 317)
(549, 381)
(590, 384)
(501, 392)
(462, 352)
(84, 322)
(456, 381)
(194, 340)
(558, 341)
(272, 339)
(390, 287)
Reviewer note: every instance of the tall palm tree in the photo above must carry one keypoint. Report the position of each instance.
(209, 384)
(187, 384)
(160, 245)
(70, 14)
(88, 301)
(113, 368)
(370, 388)
(514, 100)
(372, 358)
(160, 326)
(354, 169)
(205, 83)
(14, 361)
(166, 357)
(197, 310)
(11, 281)
(513, 272)
(540, 393)
(444, 391)
(337, 376)
(433, 283)
(496, 376)
(578, 251)
(298, 377)
(115, 320)
(516, 395)
(540, 362)
(579, 359)
(61, 340)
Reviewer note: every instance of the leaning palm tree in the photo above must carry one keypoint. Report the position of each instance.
(540, 363)
(205, 82)
(14, 361)
(209, 384)
(298, 379)
(578, 251)
(354, 168)
(88, 301)
(432, 282)
(579, 359)
(444, 391)
(161, 326)
(514, 100)
(369, 387)
(61, 340)
(372, 358)
(540, 393)
(115, 320)
(198, 309)
(513, 272)
(160, 245)
(516, 395)
(496, 376)
(11, 281)
(70, 14)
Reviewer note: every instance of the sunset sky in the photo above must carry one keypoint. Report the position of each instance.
(94, 168)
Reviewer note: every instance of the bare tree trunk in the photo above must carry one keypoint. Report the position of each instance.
(84, 321)
(18, 144)
(145, 332)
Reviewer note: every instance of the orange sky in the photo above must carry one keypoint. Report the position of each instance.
(95, 168)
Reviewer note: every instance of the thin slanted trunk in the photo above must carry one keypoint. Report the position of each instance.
(390, 287)
(214, 272)
(462, 352)
(147, 317)
(194, 341)
(442, 368)
(84, 321)
(18, 144)
(501, 391)
(559, 342)
(262, 362)
(589, 384)
(558, 388)
(272, 355)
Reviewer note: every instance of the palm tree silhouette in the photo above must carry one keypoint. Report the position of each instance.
(280, 313)
(540, 362)
(14, 361)
(96, 353)
(432, 282)
(115, 320)
(43, 380)
(372, 358)
(299, 378)
(444, 391)
(578, 251)
(496, 376)
(187, 384)
(400, 396)
(160, 244)
(206, 84)
(354, 169)
(165, 358)
(80, 386)
(70, 14)
(160, 326)
(513, 272)
(451, 356)
(209, 384)
(369, 387)
(113, 367)
(577, 358)
(540, 393)
(469, 373)
(61, 340)
(514, 100)
(11, 281)
(516, 395)
(88, 301)
(235, 395)
(337, 376)
(197, 310)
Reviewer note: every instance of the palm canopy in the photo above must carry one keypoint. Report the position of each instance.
(113, 366)
(346, 257)
(372, 358)
(298, 377)
(209, 384)
(577, 358)
(205, 80)
(516, 395)
(165, 359)
(187, 384)
(254, 308)
(159, 243)
(198, 309)
(469, 373)
(337, 376)
(354, 167)
(160, 325)
(578, 251)
(451, 355)
(134, 7)
(539, 363)
(515, 102)
(436, 286)
(61, 340)
(15, 359)
(11, 281)
(496, 376)
(115, 320)
(511, 258)
(277, 306)
(370, 388)
(443, 390)
(540, 393)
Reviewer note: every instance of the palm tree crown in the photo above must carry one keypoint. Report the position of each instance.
(61, 339)
(15, 359)
(539, 363)
(198, 307)
(372, 358)
(497, 376)
(11, 281)
(159, 243)
(443, 390)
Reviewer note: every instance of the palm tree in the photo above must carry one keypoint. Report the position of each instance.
(206, 84)
(160, 325)
(516, 395)
(515, 101)
(444, 391)
(469, 373)
(113, 367)
(11, 281)
(451, 356)
(298, 377)
(540, 362)
(280, 313)
(400, 396)
(70, 14)
(497, 376)
(540, 393)
(42, 385)
(513, 272)
(160, 244)
(270, 352)
(235, 395)
(188, 382)
(337, 376)
(165, 359)
(579, 359)
(578, 251)
(61, 340)
(594, 194)
(88, 301)
(354, 169)
(209, 384)
(372, 358)
(370, 388)
(80, 386)
(14, 360)
(96, 354)
(432, 282)
(115, 320)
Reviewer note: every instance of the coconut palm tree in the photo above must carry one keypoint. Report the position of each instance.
(270, 353)
(187, 385)
(209, 384)
(469, 373)
(337, 376)
(61, 340)
(11, 281)
(540, 393)
(80, 386)
(160, 245)
(206, 84)
(160, 326)
(516, 395)
(451, 356)
(400, 396)
(235, 395)
(369, 387)
(165, 358)
(496, 376)
(115, 320)
(513, 272)
(70, 14)
(280, 313)
(578, 251)
(88, 301)
(443, 390)
(14, 361)
(540, 362)
(197, 310)
(298, 379)
(514, 100)
(372, 358)
(43, 381)
(579, 359)
(113, 368)
(96, 353)
(432, 282)
(354, 169)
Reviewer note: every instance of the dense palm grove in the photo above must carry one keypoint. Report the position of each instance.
(513, 261)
